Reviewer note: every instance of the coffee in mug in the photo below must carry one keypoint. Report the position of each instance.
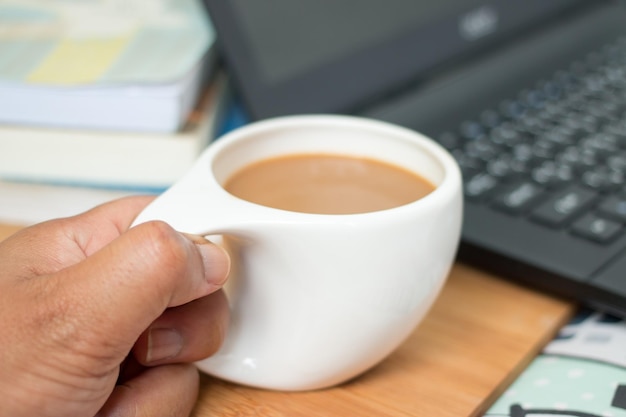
(327, 184)
(318, 298)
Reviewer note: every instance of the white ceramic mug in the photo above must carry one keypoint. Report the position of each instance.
(317, 299)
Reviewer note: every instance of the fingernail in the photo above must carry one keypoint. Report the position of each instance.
(215, 259)
(163, 344)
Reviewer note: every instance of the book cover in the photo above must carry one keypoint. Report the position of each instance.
(124, 65)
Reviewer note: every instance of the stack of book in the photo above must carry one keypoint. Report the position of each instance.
(105, 94)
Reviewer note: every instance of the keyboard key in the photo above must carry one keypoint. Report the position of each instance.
(507, 136)
(604, 144)
(617, 162)
(596, 228)
(533, 125)
(614, 207)
(564, 206)
(482, 149)
(603, 179)
(545, 150)
(561, 136)
(552, 175)
(480, 186)
(469, 166)
(618, 129)
(605, 111)
(581, 160)
(523, 152)
(518, 198)
(502, 167)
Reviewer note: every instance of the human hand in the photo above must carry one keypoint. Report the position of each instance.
(99, 319)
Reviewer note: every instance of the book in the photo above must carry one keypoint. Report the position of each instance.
(138, 161)
(26, 203)
(100, 64)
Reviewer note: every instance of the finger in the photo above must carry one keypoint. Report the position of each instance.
(50, 246)
(187, 333)
(120, 290)
(97, 227)
(162, 391)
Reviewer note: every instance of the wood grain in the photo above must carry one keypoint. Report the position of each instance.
(480, 334)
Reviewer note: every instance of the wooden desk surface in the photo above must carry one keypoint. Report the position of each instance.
(481, 333)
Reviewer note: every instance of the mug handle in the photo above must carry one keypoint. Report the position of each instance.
(198, 204)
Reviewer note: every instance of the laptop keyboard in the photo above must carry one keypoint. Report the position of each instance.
(554, 155)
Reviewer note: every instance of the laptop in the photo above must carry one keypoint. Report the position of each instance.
(529, 96)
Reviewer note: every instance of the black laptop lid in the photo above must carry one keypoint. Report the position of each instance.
(312, 56)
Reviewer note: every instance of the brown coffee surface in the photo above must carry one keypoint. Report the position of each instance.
(327, 184)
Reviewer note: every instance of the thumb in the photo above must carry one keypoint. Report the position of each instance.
(117, 292)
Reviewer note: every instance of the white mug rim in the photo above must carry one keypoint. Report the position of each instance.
(444, 190)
